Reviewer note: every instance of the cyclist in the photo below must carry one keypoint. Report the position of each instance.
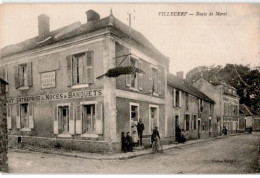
(155, 134)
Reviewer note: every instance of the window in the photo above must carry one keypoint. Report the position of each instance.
(201, 105)
(133, 77)
(80, 68)
(203, 127)
(187, 101)
(155, 80)
(88, 118)
(187, 119)
(64, 118)
(210, 109)
(194, 122)
(177, 98)
(23, 75)
(24, 116)
(210, 125)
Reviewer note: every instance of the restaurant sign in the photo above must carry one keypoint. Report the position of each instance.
(48, 80)
(57, 96)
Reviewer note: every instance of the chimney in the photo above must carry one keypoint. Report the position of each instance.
(180, 74)
(43, 25)
(92, 15)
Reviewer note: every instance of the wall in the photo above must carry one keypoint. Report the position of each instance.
(123, 116)
(143, 80)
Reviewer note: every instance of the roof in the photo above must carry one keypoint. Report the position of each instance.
(77, 29)
(245, 110)
(183, 85)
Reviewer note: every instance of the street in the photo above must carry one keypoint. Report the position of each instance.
(229, 155)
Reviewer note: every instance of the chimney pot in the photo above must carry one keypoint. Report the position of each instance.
(43, 25)
(92, 15)
(180, 74)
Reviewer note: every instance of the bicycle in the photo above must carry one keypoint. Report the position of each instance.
(157, 145)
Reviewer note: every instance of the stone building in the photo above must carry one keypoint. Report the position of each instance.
(189, 108)
(226, 106)
(3, 126)
(248, 118)
(55, 98)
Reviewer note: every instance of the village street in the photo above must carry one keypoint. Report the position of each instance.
(229, 155)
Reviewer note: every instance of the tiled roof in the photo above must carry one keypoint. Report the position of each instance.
(245, 110)
(110, 22)
(183, 85)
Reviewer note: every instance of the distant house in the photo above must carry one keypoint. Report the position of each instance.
(226, 104)
(248, 118)
(188, 108)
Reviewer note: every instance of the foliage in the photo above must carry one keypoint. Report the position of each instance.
(243, 78)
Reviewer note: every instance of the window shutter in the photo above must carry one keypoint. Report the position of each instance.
(31, 114)
(29, 73)
(71, 121)
(99, 119)
(180, 96)
(16, 76)
(55, 121)
(18, 118)
(69, 70)
(150, 83)
(90, 66)
(6, 79)
(128, 76)
(78, 119)
(9, 116)
(140, 75)
(174, 97)
(159, 81)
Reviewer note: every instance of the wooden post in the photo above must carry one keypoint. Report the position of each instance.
(3, 127)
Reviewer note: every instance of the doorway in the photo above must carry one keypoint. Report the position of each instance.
(88, 118)
(176, 126)
(154, 117)
(24, 116)
(64, 118)
(199, 128)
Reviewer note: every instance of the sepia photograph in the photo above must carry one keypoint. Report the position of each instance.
(130, 88)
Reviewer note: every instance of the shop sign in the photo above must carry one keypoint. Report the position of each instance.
(48, 80)
(57, 96)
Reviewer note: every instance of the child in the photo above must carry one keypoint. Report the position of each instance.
(135, 138)
(129, 142)
(124, 142)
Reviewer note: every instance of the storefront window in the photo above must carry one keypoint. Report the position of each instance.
(88, 118)
(24, 116)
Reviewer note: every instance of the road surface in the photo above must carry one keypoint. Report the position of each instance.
(229, 155)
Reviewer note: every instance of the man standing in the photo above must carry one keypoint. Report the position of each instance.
(140, 129)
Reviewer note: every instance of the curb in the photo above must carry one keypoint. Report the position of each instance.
(118, 156)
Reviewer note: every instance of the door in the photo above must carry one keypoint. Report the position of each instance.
(176, 125)
(154, 119)
(88, 115)
(199, 128)
(64, 118)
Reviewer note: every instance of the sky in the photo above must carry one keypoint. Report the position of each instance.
(189, 41)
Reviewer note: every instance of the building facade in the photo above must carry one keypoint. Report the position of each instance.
(57, 97)
(189, 109)
(226, 106)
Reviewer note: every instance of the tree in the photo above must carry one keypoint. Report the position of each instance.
(241, 77)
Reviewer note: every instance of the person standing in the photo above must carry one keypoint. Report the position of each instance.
(140, 129)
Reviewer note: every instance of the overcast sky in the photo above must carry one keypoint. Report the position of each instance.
(188, 41)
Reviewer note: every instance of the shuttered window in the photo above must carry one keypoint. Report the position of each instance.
(23, 75)
(80, 68)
